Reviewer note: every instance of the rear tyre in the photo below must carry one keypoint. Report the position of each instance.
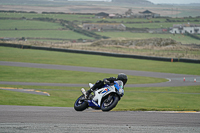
(108, 105)
(80, 104)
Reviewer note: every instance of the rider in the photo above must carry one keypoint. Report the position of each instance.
(109, 81)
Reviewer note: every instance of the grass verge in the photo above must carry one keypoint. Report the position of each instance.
(138, 98)
(24, 74)
(161, 99)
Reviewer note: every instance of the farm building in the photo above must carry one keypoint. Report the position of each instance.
(144, 14)
(101, 15)
(112, 16)
(149, 14)
(182, 28)
(104, 26)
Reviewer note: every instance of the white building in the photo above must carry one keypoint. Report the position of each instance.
(182, 28)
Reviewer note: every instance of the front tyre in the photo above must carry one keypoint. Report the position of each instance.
(109, 103)
(80, 104)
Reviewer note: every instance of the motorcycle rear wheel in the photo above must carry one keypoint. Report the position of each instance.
(109, 105)
(80, 105)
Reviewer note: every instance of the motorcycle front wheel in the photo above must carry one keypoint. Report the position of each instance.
(109, 103)
(80, 104)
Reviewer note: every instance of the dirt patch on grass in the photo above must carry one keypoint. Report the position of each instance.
(151, 42)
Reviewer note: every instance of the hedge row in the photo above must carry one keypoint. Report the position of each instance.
(192, 35)
(13, 11)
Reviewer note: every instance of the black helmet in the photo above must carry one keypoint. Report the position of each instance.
(122, 77)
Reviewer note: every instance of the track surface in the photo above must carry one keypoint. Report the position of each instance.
(25, 119)
(63, 119)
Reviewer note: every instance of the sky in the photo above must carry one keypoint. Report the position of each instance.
(175, 1)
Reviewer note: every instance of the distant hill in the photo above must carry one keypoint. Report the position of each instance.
(72, 2)
(144, 2)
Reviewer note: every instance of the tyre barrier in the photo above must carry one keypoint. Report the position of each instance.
(101, 53)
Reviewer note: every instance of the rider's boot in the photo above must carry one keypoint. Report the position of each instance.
(88, 93)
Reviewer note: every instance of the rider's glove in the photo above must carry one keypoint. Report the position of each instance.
(107, 82)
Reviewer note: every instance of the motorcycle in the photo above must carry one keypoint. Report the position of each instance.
(105, 98)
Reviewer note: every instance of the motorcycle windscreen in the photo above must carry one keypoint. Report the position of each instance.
(117, 85)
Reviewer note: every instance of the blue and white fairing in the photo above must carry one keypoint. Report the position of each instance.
(100, 93)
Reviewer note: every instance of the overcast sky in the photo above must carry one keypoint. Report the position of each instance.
(175, 1)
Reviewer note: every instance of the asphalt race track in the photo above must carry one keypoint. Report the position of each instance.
(29, 119)
(25, 119)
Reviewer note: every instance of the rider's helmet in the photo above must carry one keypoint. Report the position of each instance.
(122, 77)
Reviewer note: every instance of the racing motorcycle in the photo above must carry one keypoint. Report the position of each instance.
(105, 98)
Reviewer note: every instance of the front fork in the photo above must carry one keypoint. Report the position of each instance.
(83, 92)
(109, 98)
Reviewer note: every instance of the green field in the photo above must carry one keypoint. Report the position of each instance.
(67, 34)
(50, 34)
(80, 18)
(28, 27)
(27, 24)
(70, 17)
(155, 25)
(128, 35)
